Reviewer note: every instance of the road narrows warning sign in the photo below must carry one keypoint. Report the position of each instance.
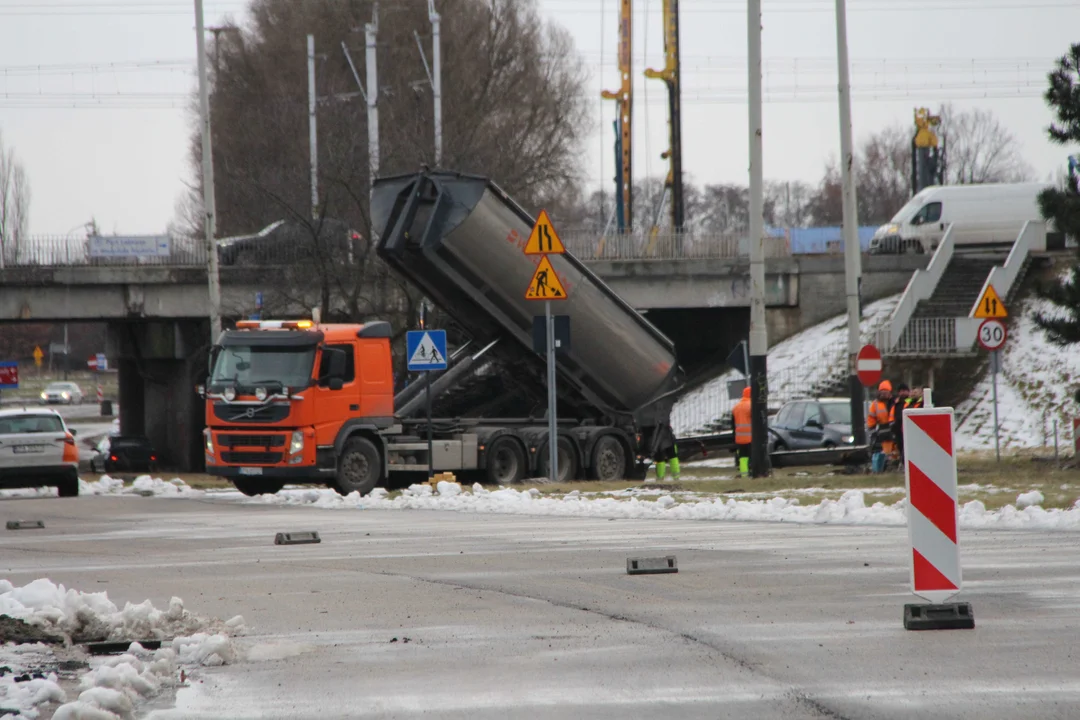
(543, 239)
(545, 284)
(990, 305)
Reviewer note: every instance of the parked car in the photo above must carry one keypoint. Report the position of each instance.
(62, 393)
(809, 424)
(37, 450)
(124, 453)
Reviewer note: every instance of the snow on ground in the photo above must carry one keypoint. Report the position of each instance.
(114, 686)
(796, 366)
(105, 485)
(849, 509)
(1035, 387)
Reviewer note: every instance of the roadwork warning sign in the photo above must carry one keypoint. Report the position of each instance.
(545, 284)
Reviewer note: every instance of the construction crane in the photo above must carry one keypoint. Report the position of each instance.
(927, 159)
(670, 75)
(624, 96)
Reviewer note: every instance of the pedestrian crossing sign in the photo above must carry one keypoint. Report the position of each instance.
(545, 284)
(426, 350)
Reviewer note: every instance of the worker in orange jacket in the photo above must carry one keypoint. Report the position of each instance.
(742, 418)
(879, 419)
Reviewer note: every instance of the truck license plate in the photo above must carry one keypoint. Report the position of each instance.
(251, 471)
(19, 449)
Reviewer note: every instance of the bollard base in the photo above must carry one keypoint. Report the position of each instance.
(946, 616)
(296, 538)
(651, 566)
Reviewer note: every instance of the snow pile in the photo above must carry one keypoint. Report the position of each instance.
(797, 366)
(26, 696)
(114, 686)
(77, 615)
(142, 485)
(1035, 387)
(849, 509)
(1029, 499)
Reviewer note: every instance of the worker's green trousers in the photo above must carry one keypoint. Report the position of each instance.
(661, 469)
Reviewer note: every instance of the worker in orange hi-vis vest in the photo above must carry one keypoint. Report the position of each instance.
(741, 417)
(878, 419)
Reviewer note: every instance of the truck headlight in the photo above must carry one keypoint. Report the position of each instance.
(297, 444)
(209, 442)
(230, 393)
(260, 394)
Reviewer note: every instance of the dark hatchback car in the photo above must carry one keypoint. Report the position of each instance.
(124, 453)
(809, 424)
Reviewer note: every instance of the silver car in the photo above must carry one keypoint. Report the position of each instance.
(809, 424)
(62, 393)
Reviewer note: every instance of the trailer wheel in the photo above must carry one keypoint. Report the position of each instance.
(252, 488)
(608, 459)
(568, 464)
(505, 462)
(359, 467)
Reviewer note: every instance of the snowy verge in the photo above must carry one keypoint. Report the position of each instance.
(144, 485)
(849, 509)
(114, 686)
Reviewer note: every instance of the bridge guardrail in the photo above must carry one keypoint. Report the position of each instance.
(667, 246)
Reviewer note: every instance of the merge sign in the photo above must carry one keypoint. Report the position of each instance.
(112, 246)
(9, 375)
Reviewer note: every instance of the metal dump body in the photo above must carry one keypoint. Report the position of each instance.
(460, 239)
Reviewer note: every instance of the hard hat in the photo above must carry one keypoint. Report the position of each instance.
(885, 386)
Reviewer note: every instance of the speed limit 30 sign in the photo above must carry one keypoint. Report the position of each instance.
(992, 334)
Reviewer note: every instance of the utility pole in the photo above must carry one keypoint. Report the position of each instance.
(759, 339)
(852, 255)
(436, 80)
(312, 133)
(209, 209)
(371, 29)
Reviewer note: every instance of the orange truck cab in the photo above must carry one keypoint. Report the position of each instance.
(298, 401)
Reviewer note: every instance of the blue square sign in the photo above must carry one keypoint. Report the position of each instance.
(426, 350)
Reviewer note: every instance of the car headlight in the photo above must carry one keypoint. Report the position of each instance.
(44, 396)
(297, 444)
(260, 393)
(849, 438)
(230, 393)
(209, 442)
(66, 395)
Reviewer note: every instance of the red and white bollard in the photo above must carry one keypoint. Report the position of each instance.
(100, 394)
(933, 518)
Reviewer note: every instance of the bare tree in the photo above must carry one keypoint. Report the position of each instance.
(14, 205)
(980, 149)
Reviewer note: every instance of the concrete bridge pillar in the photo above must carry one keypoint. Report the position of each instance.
(160, 364)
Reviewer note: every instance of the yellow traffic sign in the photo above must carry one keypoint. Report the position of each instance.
(990, 305)
(545, 284)
(37, 356)
(543, 239)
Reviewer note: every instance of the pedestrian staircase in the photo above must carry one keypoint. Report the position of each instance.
(934, 318)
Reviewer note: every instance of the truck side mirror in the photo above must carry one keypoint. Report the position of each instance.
(336, 369)
(335, 383)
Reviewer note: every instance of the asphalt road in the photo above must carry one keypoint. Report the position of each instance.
(519, 617)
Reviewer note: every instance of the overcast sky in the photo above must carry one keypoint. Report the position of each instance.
(95, 92)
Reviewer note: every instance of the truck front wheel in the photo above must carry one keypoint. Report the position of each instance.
(251, 487)
(359, 467)
(608, 459)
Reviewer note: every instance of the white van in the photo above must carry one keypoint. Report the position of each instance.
(980, 214)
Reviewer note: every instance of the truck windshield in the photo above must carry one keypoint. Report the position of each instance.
(250, 366)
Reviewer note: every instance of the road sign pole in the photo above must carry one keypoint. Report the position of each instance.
(995, 359)
(553, 437)
(430, 438)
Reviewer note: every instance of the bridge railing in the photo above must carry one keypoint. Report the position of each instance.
(667, 246)
(56, 251)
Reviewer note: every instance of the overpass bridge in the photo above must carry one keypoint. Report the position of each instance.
(696, 290)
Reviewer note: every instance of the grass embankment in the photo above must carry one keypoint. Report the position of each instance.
(981, 477)
(32, 382)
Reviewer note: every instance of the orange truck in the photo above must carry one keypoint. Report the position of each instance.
(298, 401)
